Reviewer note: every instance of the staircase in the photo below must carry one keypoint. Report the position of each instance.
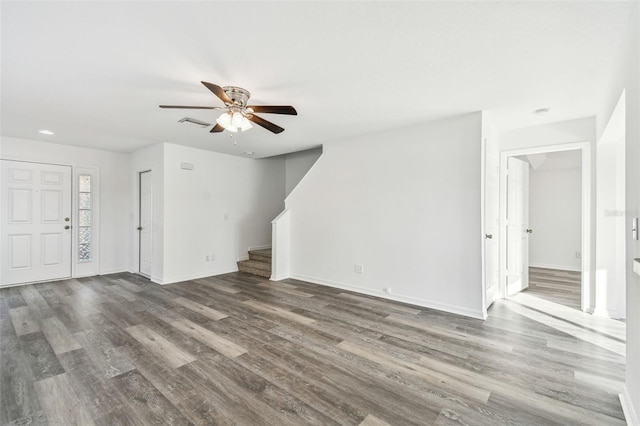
(259, 263)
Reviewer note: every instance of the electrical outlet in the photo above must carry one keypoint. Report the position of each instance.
(206, 258)
(212, 257)
(578, 255)
(359, 269)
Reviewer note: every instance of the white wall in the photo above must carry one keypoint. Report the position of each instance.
(405, 204)
(222, 207)
(610, 218)
(555, 216)
(297, 164)
(114, 190)
(628, 70)
(562, 132)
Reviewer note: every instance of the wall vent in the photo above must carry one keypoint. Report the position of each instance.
(194, 121)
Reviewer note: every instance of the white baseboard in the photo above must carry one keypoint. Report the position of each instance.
(396, 297)
(630, 414)
(112, 271)
(240, 259)
(559, 267)
(172, 280)
(260, 247)
(606, 313)
(279, 277)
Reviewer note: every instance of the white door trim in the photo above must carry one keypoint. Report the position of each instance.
(587, 278)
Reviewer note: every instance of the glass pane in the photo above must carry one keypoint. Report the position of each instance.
(84, 235)
(84, 183)
(85, 200)
(84, 217)
(84, 252)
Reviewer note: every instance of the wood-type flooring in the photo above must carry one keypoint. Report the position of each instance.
(239, 349)
(562, 287)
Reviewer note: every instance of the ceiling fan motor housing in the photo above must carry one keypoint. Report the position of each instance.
(238, 95)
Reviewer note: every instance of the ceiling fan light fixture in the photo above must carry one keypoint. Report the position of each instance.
(246, 124)
(225, 121)
(236, 119)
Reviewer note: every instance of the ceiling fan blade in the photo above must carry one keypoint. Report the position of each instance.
(266, 124)
(188, 107)
(218, 91)
(274, 109)
(216, 129)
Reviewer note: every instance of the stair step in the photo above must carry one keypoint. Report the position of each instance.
(257, 264)
(255, 267)
(262, 254)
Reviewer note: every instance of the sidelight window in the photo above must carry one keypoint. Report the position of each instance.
(85, 218)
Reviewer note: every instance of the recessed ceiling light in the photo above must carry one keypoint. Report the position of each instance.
(45, 132)
(541, 111)
(249, 152)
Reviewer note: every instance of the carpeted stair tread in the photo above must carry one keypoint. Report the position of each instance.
(256, 264)
(259, 263)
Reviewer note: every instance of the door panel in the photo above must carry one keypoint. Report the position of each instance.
(51, 249)
(51, 206)
(20, 205)
(146, 224)
(19, 251)
(517, 225)
(36, 199)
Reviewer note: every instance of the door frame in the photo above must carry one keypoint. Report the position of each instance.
(587, 234)
(138, 224)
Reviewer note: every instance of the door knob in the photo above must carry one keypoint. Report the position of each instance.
(529, 231)
(67, 227)
(139, 228)
(66, 219)
(488, 236)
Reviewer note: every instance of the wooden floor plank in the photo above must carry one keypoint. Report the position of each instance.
(209, 338)
(60, 402)
(173, 355)
(59, 336)
(23, 321)
(201, 309)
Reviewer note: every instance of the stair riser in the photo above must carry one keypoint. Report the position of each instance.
(260, 258)
(259, 272)
(254, 264)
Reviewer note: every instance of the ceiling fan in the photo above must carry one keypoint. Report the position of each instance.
(237, 115)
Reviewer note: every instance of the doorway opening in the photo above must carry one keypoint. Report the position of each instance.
(554, 227)
(516, 232)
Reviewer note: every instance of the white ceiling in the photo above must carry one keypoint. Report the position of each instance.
(95, 72)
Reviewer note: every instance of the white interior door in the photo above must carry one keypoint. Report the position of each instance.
(145, 227)
(491, 241)
(517, 225)
(36, 222)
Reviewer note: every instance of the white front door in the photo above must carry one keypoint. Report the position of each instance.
(145, 227)
(36, 222)
(517, 225)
